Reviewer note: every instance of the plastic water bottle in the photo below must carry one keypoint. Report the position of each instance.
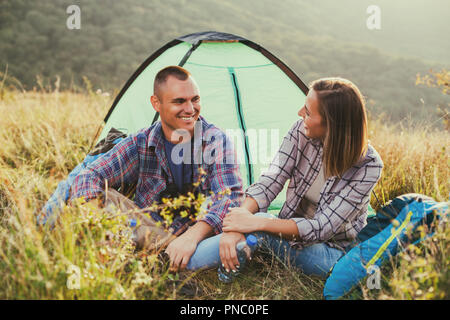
(244, 250)
(132, 223)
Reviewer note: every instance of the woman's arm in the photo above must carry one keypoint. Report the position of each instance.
(285, 228)
(337, 219)
(242, 220)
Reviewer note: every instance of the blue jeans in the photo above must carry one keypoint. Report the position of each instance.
(316, 259)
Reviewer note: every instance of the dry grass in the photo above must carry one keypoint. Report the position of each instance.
(45, 135)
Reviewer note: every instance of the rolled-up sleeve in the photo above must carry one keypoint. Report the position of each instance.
(118, 166)
(223, 176)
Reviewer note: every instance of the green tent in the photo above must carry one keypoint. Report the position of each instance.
(245, 90)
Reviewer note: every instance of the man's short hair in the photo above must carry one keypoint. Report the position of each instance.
(161, 77)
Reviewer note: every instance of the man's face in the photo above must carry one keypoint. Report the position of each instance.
(178, 105)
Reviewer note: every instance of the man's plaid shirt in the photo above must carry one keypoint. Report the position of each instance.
(343, 203)
(141, 158)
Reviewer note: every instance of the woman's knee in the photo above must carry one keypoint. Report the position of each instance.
(317, 259)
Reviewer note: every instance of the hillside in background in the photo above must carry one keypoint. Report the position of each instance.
(325, 38)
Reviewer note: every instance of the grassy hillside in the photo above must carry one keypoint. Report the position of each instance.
(315, 39)
(49, 133)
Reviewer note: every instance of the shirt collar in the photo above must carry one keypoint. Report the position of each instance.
(316, 142)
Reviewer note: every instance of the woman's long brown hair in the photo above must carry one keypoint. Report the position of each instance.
(342, 108)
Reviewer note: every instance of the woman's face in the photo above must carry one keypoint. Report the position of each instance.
(314, 127)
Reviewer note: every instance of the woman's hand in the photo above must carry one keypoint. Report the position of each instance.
(241, 220)
(227, 249)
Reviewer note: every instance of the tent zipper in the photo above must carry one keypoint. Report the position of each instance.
(240, 116)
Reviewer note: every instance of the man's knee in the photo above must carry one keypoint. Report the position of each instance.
(264, 214)
(206, 255)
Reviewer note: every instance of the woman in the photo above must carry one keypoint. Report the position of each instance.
(332, 170)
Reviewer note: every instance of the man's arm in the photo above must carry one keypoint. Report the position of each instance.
(117, 167)
(182, 248)
(228, 254)
(250, 204)
(224, 180)
(223, 175)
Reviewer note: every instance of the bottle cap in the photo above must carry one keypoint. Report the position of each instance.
(133, 223)
(252, 240)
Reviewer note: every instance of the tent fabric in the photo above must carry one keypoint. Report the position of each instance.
(405, 214)
(195, 38)
(245, 91)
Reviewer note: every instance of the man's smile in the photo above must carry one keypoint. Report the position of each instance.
(188, 118)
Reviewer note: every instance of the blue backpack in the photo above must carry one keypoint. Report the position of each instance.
(384, 235)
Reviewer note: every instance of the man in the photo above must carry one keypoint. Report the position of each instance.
(150, 159)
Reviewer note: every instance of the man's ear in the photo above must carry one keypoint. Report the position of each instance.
(155, 103)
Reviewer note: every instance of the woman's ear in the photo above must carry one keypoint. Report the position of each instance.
(155, 103)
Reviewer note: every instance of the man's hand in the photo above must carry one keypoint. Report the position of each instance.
(227, 249)
(182, 248)
(180, 251)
